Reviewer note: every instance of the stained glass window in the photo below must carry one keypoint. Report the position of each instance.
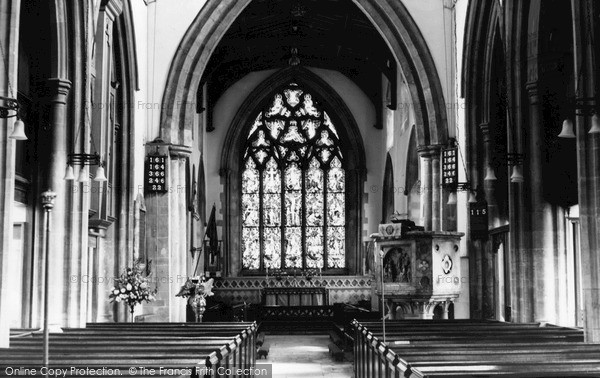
(293, 187)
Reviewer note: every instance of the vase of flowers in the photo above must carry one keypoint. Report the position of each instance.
(132, 288)
(196, 289)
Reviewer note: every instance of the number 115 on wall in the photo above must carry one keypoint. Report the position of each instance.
(481, 211)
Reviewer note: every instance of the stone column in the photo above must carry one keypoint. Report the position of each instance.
(231, 246)
(167, 235)
(488, 186)
(101, 126)
(430, 187)
(9, 19)
(486, 253)
(58, 90)
(179, 236)
(542, 224)
(446, 308)
(425, 189)
(588, 156)
(436, 192)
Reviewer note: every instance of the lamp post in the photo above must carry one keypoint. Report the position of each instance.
(48, 203)
(381, 256)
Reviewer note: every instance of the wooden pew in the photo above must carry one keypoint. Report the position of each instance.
(121, 346)
(463, 349)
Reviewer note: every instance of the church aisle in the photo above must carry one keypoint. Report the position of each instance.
(303, 356)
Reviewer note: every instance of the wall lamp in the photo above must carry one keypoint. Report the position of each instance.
(583, 107)
(9, 108)
(511, 159)
(461, 187)
(85, 160)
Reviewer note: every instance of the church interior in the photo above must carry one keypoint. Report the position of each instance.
(287, 188)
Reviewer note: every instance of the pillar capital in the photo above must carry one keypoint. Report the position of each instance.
(484, 127)
(533, 91)
(48, 198)
(179, 151)
(430, 151)
(485, 131)
(57, 90)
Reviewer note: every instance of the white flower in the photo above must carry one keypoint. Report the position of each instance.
(144, 285)
(122, 290)
(128, 286)
(118, 299)
(115, 291)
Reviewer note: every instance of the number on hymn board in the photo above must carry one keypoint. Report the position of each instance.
(156, 172)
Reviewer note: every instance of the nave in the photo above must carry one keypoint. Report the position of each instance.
(275, 163)
(402, 348)
(301, 356)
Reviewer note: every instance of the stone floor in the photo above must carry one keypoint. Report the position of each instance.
(305, 356)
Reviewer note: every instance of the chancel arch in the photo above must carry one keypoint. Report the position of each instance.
(392, 19)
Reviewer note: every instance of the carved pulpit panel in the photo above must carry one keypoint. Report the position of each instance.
(417, 270)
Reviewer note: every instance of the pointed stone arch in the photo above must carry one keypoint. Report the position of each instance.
(390, 17)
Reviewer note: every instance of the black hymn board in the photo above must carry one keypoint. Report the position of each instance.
(479, 220)
(156, 174)
(450, 167)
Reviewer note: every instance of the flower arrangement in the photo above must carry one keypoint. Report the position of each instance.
(132, 288)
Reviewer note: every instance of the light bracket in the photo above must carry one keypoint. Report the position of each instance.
(9, 107)
(84, 159)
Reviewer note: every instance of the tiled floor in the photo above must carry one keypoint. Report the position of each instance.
(304, 356)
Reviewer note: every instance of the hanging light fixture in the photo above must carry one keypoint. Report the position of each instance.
(490, 175)
(452, 198)
(85, 160)
(9, 106)
(18, 131)
(583, 104)
(567, 129)
(69, 174)
(517, 175)
(458, 187)
(100, 176)
(472, 197)
(595, 129)
(83, 175)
